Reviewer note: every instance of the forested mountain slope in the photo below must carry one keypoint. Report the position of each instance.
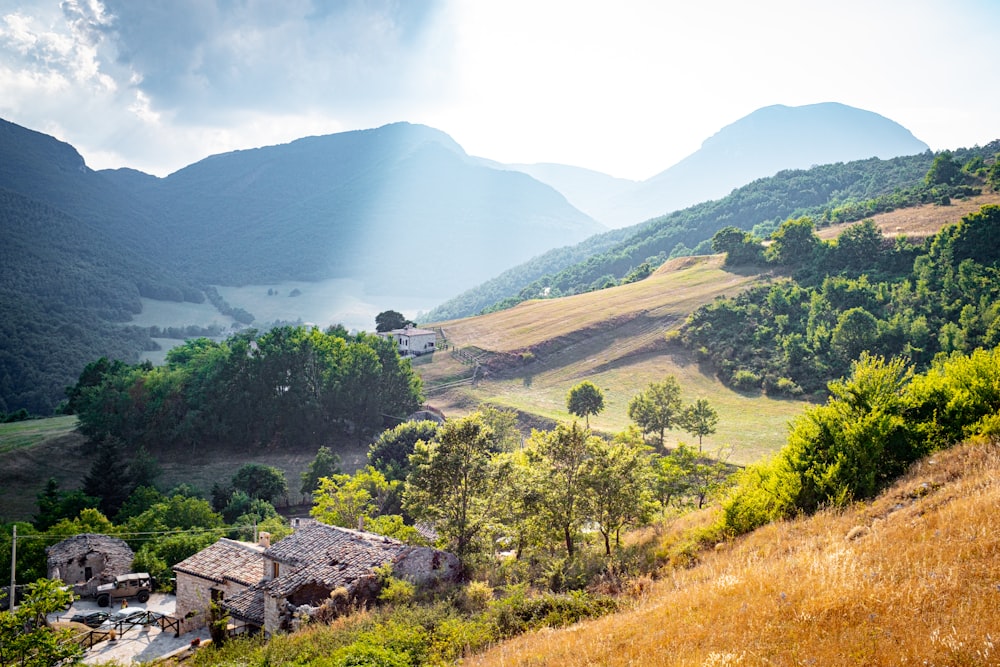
(830, 193)
(400, 209)
(66, 290)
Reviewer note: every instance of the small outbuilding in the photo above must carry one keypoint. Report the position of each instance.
(88, 560)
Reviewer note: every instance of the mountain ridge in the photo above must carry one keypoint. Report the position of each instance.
(758, 145)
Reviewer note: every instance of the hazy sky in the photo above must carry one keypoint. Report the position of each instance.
(627, 87)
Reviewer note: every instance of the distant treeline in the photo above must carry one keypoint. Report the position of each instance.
(221, 305)
(860, 293)
(289, 387)
(828, 193)
(189, 331)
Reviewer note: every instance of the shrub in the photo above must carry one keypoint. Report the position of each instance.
(476, 596)
(744, 379)
(786, 387)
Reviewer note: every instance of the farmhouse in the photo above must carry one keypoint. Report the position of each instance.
(412, 342)
(297, 575)
(88, 560)
(214, 574)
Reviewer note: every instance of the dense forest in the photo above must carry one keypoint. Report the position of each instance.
(288, 387)
(861, 292)
(828, 193)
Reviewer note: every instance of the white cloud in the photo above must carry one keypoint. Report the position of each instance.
(627, 87)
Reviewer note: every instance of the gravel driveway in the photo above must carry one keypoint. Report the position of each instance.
(137, 644)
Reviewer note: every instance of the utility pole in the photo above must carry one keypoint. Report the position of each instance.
(13, 568)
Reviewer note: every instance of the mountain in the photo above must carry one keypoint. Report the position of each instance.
(590, 191)
(832, 192)
(758, 145)
(400, 210)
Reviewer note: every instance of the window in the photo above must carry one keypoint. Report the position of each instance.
(274, 570)
(88, 573)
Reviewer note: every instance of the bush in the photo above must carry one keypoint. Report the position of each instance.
(786, 387)
(744, 379)
(519, 612)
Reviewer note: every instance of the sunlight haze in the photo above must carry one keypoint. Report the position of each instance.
(625, 88)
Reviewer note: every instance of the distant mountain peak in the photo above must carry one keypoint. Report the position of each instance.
(836, 132)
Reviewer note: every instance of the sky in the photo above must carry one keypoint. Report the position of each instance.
(625, 87)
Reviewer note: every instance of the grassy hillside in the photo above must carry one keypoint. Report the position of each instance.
(918, 221)
(32, 451)
(908, 579)
(531, 355)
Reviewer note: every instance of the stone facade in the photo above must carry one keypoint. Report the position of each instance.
(88, 560)
(218, 572)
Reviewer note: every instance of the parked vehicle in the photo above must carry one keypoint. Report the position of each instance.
(92, 619)
(125, 617)
(137, 584)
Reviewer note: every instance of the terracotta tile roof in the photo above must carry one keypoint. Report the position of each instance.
(247, 605)
(240, 562)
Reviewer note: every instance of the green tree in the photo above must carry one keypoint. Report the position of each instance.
(54, 505)
(390, 453)
(848, 448)
(856, 332)
(27, 640)
(108, 478)
(945, 170)
(389, 320)
(793, 243)
(740, 247)
(457, 482)
(352, 501)
(558, 459)
(618, 479)
(699, 419)
(261, 481)
(585, 399)
(242, 510)
(993, 175)
(325, 464)
(658, 408)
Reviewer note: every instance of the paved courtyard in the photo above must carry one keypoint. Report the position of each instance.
(137, 644)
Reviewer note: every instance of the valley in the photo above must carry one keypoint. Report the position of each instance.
(532, 354)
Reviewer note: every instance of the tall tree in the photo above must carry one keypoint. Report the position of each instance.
(456, 482)
(352, 501)
(390, 453)
(700, 419)
(325, 464)
(585, 399)
(658, 408)
(558, 459)
(108, 478)
(389, 320)
(618, 477)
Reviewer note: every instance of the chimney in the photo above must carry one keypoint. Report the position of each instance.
(264, 539)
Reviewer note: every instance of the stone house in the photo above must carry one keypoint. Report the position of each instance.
(215, 574)
(297, 575)
(88, 560)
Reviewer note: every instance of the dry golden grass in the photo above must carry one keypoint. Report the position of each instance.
(912, 578)
(920, 221)
(616, 339)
